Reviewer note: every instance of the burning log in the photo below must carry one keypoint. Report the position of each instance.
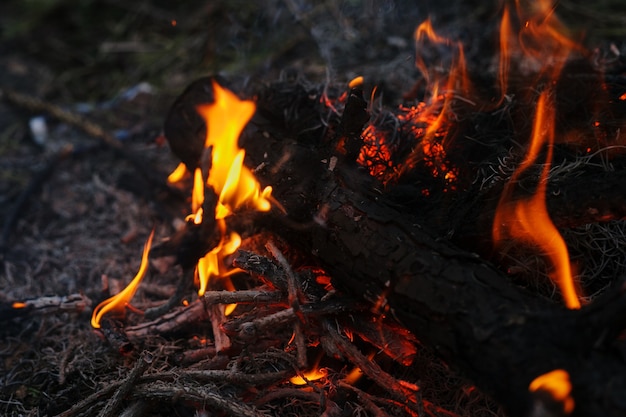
(346, 194)
(453, 301)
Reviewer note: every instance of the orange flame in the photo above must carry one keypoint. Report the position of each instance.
(118, 303)
(434, 113)
(18, 305)
(233, 182)
(178, 174)
(312, 375)
(528, 219)
(506, 36)
(427, 121)
(558, 385)
(542, 45)
(356, 373)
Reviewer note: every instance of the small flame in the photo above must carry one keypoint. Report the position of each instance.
(312, 375)
(18, 305)
(118, 303)
(427, 121)
(178, 174)
(211, 265)
(556, 383)
(528, 219)
(506, 36)
(356, 82)
(356, 373)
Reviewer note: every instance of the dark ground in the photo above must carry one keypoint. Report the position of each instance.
(121, 64)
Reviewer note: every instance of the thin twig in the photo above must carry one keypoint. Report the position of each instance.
(207, 395)
(37, 105)
(371, 368)
(33, 186)
(114, 404)
(242, 297)
(240, 379)
(365, 399)
(292, 291)
(184, 286)
(89, 402)
(252, 329)
(170, 322)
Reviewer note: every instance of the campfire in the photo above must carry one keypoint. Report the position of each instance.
(330, 244)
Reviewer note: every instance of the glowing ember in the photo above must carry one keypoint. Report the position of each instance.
(427, 121)
(119, 302)
(18, 305)
(528, 219)
(312, 375)
(557, 384)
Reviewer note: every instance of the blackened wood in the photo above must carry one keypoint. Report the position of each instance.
(184, 128)
(496, 334)
(466, 310)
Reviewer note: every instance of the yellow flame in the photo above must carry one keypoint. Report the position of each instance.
(197, 195)
(528, 219)
(312, 375)
(228, 177)
(211, 265)
(234, 183)
(557, 383)
(178, 174)
(117, 303)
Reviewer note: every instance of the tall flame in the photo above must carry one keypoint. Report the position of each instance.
(234, 183)
(528, 219)
(230, 179)
(119, 302)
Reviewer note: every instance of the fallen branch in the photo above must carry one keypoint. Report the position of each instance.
(74, 303)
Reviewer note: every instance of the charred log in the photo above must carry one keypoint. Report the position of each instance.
(377, 248)
(497, 334)
(463, 307)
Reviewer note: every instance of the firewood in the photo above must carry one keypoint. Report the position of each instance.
(453, 301)
(460, 305)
